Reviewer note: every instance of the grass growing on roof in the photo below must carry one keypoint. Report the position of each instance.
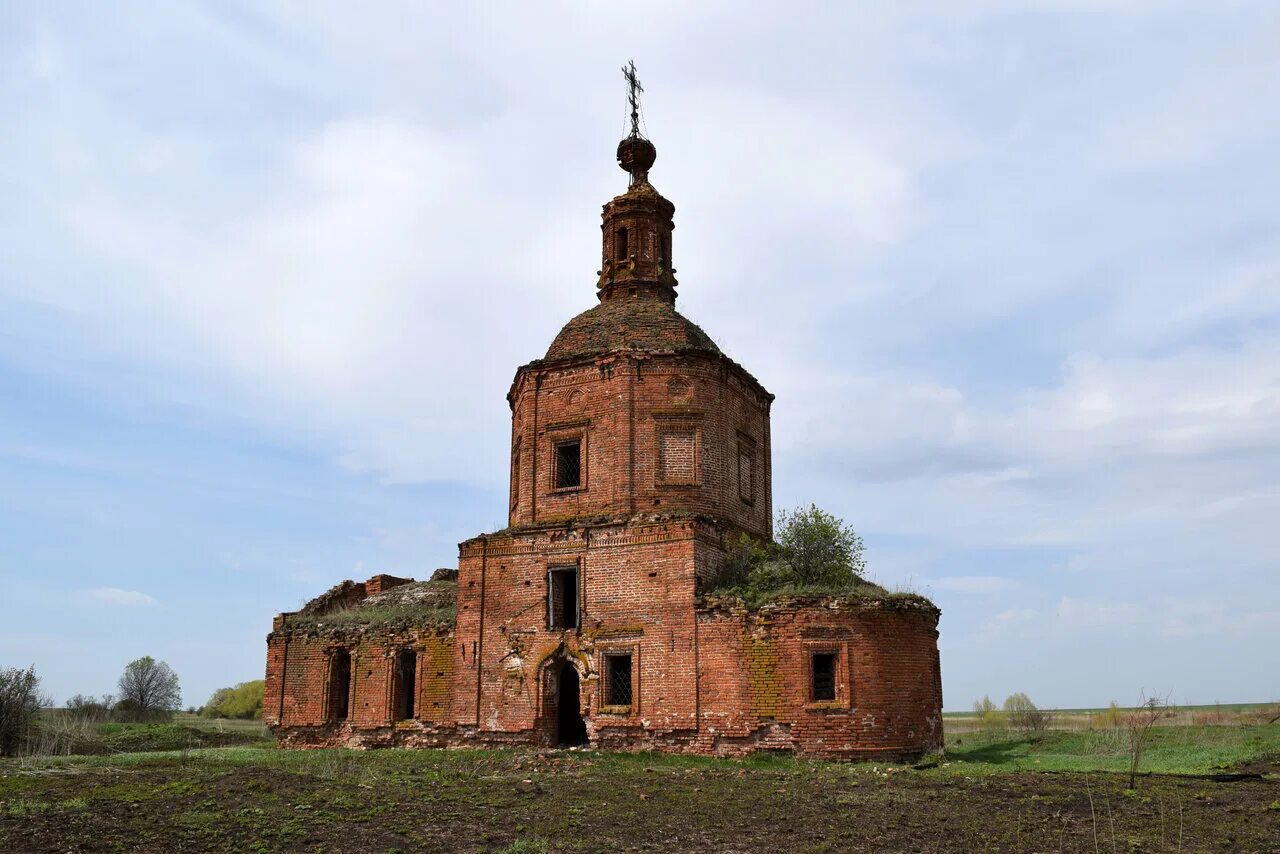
(429, 603)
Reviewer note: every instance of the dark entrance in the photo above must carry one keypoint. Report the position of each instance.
(571, 728)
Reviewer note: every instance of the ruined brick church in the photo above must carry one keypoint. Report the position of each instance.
(640, 453)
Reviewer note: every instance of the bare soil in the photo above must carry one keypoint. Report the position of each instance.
(586, 801)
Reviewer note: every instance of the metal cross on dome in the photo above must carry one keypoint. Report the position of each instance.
(633, 95)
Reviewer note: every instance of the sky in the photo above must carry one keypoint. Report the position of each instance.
(1012, 271)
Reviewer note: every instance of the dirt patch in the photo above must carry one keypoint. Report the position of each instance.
(508, 801)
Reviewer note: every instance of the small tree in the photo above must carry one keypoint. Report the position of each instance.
(988, 713)
(820, 548)
(1023, 713)
(149, 689)
(20, 703)
(1138, 724)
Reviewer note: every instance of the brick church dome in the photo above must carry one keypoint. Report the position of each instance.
(645, 325)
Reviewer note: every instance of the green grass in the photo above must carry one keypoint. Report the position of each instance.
(1207, 707)
(252, 726)
(1170, 750)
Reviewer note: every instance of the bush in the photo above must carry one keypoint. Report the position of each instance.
(820, 548)
(814, 552)
(86, 708)
(1024, 715)
(988, 714)
(20, 703)
(1109, 718)
(244, 701)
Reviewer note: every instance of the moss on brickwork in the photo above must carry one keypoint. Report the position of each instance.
(437, 678)
(761, 654)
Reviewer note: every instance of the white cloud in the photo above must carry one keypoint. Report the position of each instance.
(1160, 617)
(1009, 273)
(982, 584)
(117, 596)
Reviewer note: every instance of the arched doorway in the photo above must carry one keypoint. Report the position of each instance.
(570, 728)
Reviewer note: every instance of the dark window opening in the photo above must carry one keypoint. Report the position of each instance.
(617, 674)
(339, 685)
(406, 683)
(568, 464)
(824, 676)
(620, 244)
(562, 598)
(571, 728)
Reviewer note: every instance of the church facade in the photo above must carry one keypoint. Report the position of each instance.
(640, 453)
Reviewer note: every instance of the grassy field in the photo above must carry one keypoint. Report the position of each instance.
(1171, 750)
(997, 791)
(1216, 714)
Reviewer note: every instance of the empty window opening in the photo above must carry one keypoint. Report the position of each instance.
(617, 675)
(568, 464)
(406, 684)
(562, 598)
(824, 676)
(339, 685)
(571, 729)
(621, 245)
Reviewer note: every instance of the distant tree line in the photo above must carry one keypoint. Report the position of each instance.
(243, 701)
(148, 691)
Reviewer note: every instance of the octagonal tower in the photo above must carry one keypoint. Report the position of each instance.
(634, 409)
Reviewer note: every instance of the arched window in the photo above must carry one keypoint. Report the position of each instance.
(620, 245)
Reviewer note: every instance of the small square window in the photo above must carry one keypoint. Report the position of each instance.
(562, 598)
(824, 676)
(617, 676)
(568, 464)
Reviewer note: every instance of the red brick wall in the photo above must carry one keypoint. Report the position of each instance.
(620, 407)
(755, 678)
(712, 679)
(636, 594)
(297, 680)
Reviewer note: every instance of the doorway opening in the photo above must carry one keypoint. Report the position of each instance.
(405, 684)
(339, 685)
(571, 728)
